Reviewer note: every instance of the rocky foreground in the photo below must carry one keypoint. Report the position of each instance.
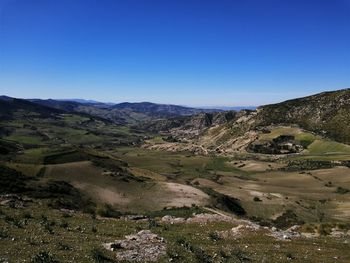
(147, 246)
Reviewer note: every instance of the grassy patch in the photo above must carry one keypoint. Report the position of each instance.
(26, 139)
(328, 147)
(45, 236)
(66, 157)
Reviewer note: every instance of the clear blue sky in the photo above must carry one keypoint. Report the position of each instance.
(218, 52)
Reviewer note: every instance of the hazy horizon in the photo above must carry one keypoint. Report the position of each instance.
(217, 106)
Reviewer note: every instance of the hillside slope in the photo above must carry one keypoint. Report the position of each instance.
(190, 125)
(9, 107)
(124, 113)
(326, 113)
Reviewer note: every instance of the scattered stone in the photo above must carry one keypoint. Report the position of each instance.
(13, 200)
(239, 230)
(172, 219)
(288, 234)
(337, 233)
(198, 218)
(135, 217)
(67, 211)
(207, 218)
(141, 247)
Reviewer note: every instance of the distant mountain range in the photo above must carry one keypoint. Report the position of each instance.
(223, 108)
(232, 108)
(327, 113)
(121, 113)
(84, 101)
(11, 109)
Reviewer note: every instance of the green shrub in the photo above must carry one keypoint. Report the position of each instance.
(3, 234)
(152, 223)
(66, 215)
(43, 257)
(27, 215)
(201, 255)
(328, 184)
(62, 246)
(324, 229)
(12, 181)
(41, 172)
(287, 219)
(290, 256)
(98, 256)
(341, 190)
(225, 202)
(174, 254)
(213, 236)
(184, 243)
(64, 224)
(107, 211)
(240, 255)
(343, 226)
(301, 165)
(257, 199)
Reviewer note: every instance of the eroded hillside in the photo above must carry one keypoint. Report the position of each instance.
(326, 115)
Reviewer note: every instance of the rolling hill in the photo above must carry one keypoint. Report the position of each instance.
(326, 114)
(9, 106)
(123, 113)
(253, 178)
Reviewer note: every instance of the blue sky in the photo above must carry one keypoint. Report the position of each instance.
(188, 52)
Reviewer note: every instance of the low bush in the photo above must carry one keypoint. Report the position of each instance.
(98, 256)
(225, 202)
(107, 211)
(213, 236)
(257, 199)
(342, 190)
(301, 165)
(43, 257)
(287, 219)
(324, 229)
(12, 181)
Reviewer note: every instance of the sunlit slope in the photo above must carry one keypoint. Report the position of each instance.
(327, 113)
(126, 193)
